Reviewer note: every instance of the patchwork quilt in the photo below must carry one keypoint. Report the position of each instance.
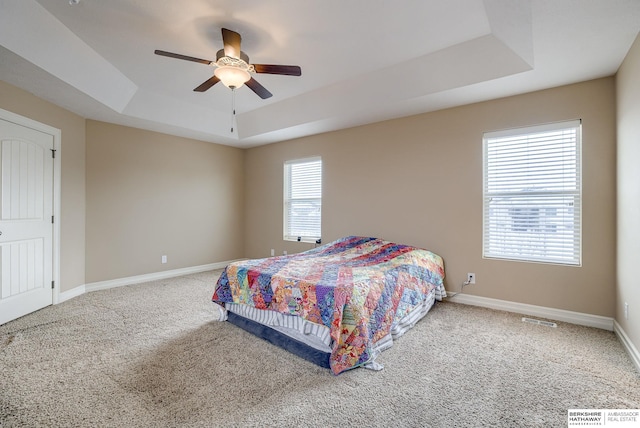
(356, 286)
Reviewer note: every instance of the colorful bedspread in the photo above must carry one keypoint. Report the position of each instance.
(356, 286)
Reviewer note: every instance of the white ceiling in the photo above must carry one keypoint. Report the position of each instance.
(362, 60)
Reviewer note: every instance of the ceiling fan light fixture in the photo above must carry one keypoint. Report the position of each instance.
(232, 77)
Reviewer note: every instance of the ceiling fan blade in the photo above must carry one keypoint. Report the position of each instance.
(231, 41)
(260, 90)
(185, 57)
(207, 84)
(289, 70)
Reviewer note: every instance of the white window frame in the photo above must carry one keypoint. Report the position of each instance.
(295, 229)
(532, 194)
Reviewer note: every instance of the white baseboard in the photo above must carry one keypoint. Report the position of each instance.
(628, 345)
(63, 296)
(605, 323)
(112, 283)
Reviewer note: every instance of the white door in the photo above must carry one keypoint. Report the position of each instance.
(26, 210)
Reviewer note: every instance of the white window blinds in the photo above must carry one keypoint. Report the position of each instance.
(532, 194)
(302, 199)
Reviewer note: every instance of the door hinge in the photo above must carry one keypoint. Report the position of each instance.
(51, 219)
(53, 153)
(53, 285)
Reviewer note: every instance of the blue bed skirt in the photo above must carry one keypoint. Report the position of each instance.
(274, 337)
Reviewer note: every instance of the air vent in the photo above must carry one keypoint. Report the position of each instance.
(539, 322)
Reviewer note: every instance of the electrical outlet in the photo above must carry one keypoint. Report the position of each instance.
(626, 310)
(284, 253)
(471, 278)
(273, 252)
(164, 259)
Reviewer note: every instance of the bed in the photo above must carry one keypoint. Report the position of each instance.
(338, 305)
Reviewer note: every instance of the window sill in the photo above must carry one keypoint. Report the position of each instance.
(302, 240)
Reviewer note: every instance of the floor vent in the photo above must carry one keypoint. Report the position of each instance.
(539, 322)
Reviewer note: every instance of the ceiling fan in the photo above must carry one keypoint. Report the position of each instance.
(233, 68)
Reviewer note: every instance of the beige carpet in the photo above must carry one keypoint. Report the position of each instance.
(150, 355)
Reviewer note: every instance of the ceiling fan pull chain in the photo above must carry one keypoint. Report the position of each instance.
(233, 107)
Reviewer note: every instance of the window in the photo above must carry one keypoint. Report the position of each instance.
(302, 199)
(532, 194)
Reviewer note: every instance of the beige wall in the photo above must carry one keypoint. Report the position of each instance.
(72, 203)
(628, 115)
(418, 180)
(415, 180)
(151, 194)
